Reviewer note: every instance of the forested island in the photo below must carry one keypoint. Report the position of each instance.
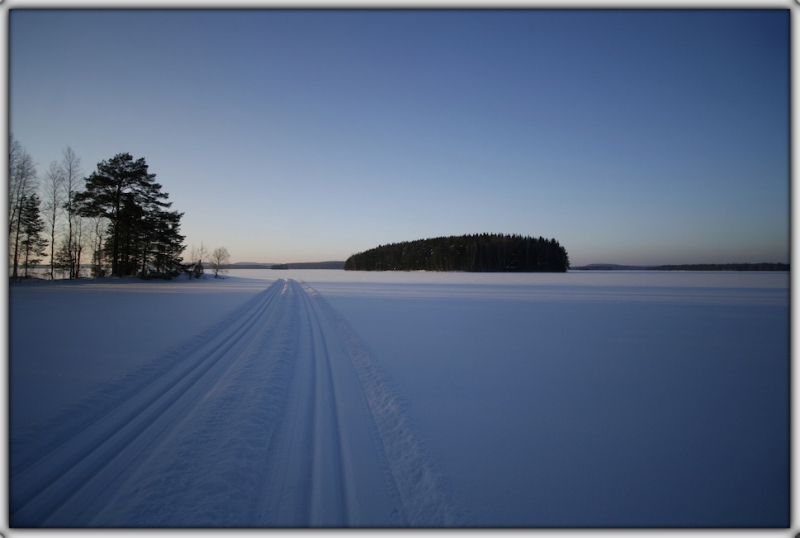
(470, 253)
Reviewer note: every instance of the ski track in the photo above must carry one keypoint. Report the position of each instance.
(276, 417)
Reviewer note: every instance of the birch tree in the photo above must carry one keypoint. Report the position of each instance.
(219, 258)
(71, 168)
(53, 202)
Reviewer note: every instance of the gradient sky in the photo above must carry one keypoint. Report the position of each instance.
(633, 137)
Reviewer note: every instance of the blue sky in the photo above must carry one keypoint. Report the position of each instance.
(639, 137)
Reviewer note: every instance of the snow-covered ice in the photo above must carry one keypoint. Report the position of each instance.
(330, 398)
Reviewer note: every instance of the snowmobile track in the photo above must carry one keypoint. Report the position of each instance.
(275, 417)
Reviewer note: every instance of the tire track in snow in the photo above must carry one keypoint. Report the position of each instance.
(69, 470)
(284, 498)
(367, 467)
(275, 417)
(209, 470)
(31, 444)
(329, 495)
(422, 489)
(308, 461)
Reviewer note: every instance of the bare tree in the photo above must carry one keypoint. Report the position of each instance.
(99, 226)
(71, 168)
(78, 242)
(68, 257)
(22, 184)
(15, 155)
(219, 258)
(53, 201)
(198, 255)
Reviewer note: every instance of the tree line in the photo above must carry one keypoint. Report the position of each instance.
(472, 253)
(763, 266)
(119, 214)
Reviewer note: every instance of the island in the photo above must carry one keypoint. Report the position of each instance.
(469, 253)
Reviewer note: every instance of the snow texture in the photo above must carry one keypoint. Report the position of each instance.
(336, 399)
(265, 419)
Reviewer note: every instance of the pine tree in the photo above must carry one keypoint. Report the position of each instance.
(31, 226)
(22, 183)
(162, 243)
(142, 235)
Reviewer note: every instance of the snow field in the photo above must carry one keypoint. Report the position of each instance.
(72, 337)
(260, 421)
(423, 491)
(550, 405)
(405, 399)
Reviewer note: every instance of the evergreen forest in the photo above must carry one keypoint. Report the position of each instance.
(471, 253)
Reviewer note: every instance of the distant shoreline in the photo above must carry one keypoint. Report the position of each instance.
(297, 265)
(686, 267)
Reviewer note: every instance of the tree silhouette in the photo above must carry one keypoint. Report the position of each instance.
(219, 258)
(32, 244)
(142, 234)
(474, 253)
(21, 184)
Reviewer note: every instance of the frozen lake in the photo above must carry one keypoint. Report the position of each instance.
(585, 399)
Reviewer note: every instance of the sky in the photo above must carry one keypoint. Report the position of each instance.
(630, 136)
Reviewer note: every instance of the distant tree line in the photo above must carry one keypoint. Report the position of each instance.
(687, 267)
(119, 214)
(723, 267)
(472, 253)
(309, 265)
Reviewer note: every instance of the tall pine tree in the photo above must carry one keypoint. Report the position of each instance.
(122, 191)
